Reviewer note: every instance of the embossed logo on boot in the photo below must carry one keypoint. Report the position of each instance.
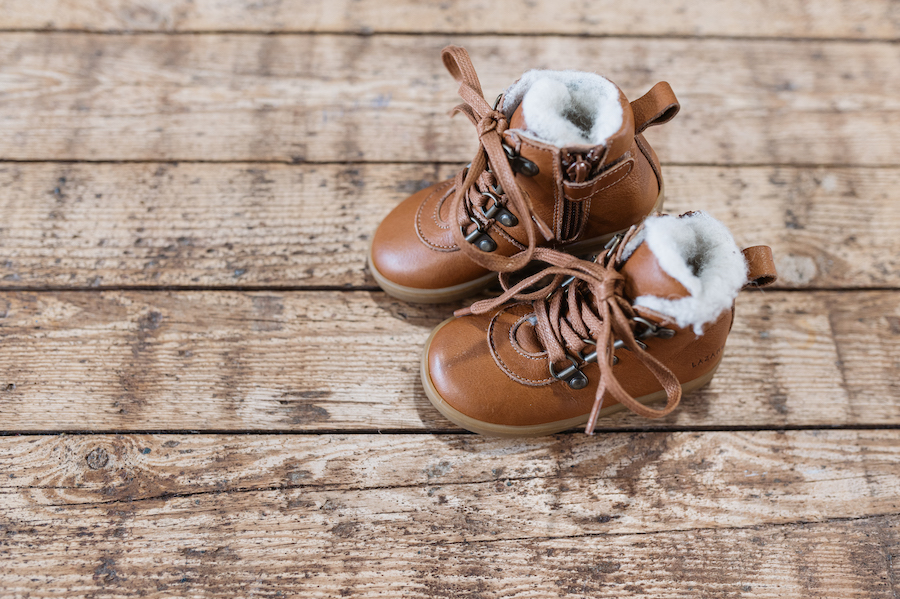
(705, 359)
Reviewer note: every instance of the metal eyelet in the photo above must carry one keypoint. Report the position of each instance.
(568, 281)
(613, 243)
(619, 344)
(592, 357)
(519, 164)
(610, 248)
(479, 238)
(653, 330)
(571, 375)
(499, 212)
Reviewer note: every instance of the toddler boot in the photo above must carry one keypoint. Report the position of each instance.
(645, 321)
(562, 162)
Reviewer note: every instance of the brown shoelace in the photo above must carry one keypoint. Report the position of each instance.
(584, 305)
(488, 169)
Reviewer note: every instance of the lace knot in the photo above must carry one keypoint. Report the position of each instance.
(491, 161)
(609, 286)
(492, 121)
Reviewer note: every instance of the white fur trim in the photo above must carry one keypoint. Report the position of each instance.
(699, 252)
(566, 108)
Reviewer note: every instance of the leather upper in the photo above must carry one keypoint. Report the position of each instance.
(415, 247)
(482, 367)
(493, 367)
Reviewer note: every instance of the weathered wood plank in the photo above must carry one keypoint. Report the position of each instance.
(868, 19)
(113, 225)
(384, 98)
(714, 479)
(308, 361)
(258, 550)
(670, 515)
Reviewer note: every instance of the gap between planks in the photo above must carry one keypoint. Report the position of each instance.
(267, 361)
(768, 509)
(247, 226)
(413, 162)
(467, 34)
(777, 477)
(794, 19)
(365, 432)
(290, 98)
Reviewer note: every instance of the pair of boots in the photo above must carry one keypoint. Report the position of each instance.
(562, 170)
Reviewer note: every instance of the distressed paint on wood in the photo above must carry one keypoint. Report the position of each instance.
(867, 19)
(736, 514)
(324, 361)
(574, 484)
(233, 225)
(209, 546)
(325, 98)
(755, 513)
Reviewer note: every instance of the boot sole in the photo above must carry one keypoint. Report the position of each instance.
(534, 430)
(463, 290)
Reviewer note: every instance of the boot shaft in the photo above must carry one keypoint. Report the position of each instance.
(582, 159)
(562, 163)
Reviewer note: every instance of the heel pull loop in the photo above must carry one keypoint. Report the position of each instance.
(657, 106)
(760, 266)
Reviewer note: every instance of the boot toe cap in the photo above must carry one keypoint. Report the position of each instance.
(402, 259)
(462, 374)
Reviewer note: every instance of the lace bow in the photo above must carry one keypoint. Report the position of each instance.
(583, 305)
(475, 183)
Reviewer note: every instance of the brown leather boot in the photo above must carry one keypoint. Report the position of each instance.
(646, 321)
(562, 163)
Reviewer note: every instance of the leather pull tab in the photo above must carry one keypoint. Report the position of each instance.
(657, 106)
(760, 266)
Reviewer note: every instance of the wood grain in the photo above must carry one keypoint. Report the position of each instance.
(867, 19)
(226, 294)
(325, 98)
(674, 515)
(233, 225)
(250, 552)
(325, 361)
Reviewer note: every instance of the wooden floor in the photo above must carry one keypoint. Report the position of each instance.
(204, 394)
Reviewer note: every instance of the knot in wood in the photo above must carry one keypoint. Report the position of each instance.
(97, 458)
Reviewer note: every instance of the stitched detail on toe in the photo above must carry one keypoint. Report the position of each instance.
(445, 190)
(495, 354)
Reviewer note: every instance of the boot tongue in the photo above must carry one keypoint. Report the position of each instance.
(644, 276)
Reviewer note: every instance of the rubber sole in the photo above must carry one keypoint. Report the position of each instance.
(429, 296)
(535, 430)
(464, 290)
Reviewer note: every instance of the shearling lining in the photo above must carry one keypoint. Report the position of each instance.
(699, 252)
(566, 108)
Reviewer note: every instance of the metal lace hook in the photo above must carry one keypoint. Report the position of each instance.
(571, 375)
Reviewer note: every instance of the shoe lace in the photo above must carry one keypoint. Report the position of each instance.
(583, 305)
(488, 178)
